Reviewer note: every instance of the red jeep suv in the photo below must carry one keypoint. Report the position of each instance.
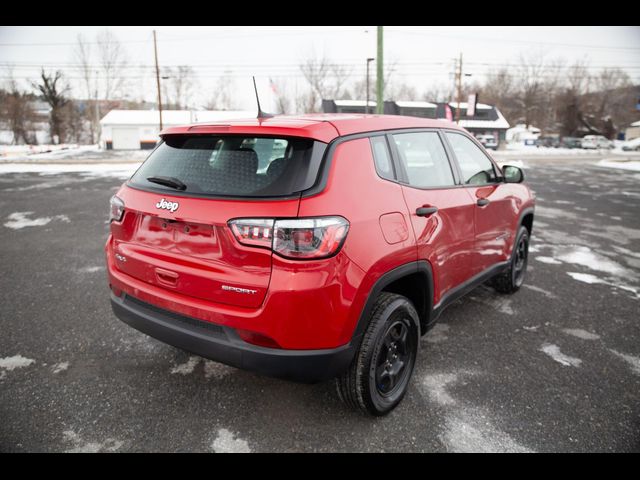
(314, 247)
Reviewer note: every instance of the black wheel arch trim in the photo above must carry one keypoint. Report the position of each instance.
(418, 267)
(524, 213)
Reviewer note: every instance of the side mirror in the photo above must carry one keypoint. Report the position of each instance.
(512, 174)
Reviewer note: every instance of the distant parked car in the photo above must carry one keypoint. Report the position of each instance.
(488, 141)
(595, 142)
(571, 142)
(632, 145)
(550, 142)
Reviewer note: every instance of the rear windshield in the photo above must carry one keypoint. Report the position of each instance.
(231, 165)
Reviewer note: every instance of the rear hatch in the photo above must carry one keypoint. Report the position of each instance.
(175, 234)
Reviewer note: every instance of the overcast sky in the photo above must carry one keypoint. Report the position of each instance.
(423, 55)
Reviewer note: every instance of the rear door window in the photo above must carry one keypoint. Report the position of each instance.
(232, 165)
(424, 159)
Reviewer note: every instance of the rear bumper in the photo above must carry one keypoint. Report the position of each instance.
(223, 344)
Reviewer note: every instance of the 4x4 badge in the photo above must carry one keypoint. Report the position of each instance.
(171, 206)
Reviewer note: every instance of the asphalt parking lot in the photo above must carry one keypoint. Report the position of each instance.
(555, 367)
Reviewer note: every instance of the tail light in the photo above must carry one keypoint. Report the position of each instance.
(116, 209)
(298, 238)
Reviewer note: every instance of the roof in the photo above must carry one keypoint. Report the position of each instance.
(169, 117)
(414, 104)
(479, 106)
(323, 127)
(500, 122)
(354, 103)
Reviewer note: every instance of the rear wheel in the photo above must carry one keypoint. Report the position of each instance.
(378, 377)
(512, 279)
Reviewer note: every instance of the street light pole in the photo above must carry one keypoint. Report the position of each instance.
(369, 60)
(459, 89)
(380, 74)
(155, 49)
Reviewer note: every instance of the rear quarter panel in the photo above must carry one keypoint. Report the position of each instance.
(355, 191)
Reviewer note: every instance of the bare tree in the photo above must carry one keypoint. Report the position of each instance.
(16, 112)
(282, 99)
(569, 99)
(325, 79)
(55, 95)
(83, 55)
(113, 62)
(222, 98)
(530, 74)
(436, 93)
(608, 84)
(178, 87)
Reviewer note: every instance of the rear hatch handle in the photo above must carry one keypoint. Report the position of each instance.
(166, 277)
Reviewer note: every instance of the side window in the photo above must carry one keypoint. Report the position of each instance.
(382, 158)
(424, 159)
(476, 168)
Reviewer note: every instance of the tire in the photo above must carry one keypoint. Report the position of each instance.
(378, 377)
(512, 278)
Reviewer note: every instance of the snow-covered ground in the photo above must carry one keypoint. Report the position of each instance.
(518, 150)
(633, 165)
(65, 153)
(121, 170)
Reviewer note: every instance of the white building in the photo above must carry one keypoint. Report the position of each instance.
(139, 129)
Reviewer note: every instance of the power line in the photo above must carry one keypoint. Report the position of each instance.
(511, 40)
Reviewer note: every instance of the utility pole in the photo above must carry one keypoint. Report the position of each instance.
(459, 78)
(380, 75)
(155, 49)
(369, 60)
(96, 113)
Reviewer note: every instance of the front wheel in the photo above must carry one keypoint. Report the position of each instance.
(512, 278)
(377, 379)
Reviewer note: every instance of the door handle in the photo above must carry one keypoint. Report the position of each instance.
(426, 211)
(483, 201)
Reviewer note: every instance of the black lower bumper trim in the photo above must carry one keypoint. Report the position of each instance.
(223, 345)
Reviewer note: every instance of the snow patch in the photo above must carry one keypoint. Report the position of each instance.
(588, 258)
(580, 333)
(17, 361)
(550, 212)
(216, 370)
(622, 165)
(503, 305)
(80, 446)
(554, 352)
(435, 385)
(472, 432)
(93, 269)
(18, 220)
(437, 333)
(592, 279)
(549, 260)
(187, 367)
(60, 367)
(227, 442)
(634, 362)
(540, 290)
(212, 369)
(96, 169)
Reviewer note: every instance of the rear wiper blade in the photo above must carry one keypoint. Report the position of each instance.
(168, 182)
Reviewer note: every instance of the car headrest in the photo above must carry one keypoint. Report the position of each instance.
(276, 167)
(245, 159)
